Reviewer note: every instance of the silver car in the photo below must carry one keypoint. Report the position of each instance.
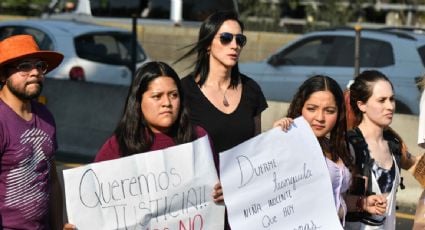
(398, 53)
(92, 52)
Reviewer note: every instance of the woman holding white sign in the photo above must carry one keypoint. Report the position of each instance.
(154, 118)
(320, 101)
(225, 102)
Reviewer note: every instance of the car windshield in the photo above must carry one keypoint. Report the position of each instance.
(108, 48)
(335, 51)
(43, 41)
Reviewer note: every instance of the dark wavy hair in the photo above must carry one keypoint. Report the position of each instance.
(337, 138)
(207, 32)
(133, 133)
(362, 89)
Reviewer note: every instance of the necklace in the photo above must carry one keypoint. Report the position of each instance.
(225, 102)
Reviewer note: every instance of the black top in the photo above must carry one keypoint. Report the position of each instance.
(225, 130)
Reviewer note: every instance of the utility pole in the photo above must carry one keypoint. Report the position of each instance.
(134, 47)
(176, 11)
(358, 29)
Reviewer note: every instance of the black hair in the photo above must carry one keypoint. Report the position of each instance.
(337, 139)
(362, 89)
(133, 133)
(207, 32)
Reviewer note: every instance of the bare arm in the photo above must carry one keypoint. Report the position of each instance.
(69, 226)
(407, 160)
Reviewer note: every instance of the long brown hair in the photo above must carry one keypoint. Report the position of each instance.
(337, 138)
(207, 32)
(133, 133)
(361, 90)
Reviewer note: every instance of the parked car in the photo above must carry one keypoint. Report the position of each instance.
(92, 52)
(398, 53)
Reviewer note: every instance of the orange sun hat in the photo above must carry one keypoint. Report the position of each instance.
(24, 46)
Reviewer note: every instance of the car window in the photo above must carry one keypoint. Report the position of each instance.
(108, 48)
(6, 32)
(308, 52)
(373, 53)
(42, 39)
(337, 51)
(342, 53)
(421, 51)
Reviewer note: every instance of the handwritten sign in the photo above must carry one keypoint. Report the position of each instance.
(419, 172)
(159, 190)
(279, 180)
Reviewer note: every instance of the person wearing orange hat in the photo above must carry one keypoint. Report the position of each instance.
(30, 195)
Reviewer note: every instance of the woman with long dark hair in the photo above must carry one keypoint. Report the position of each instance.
(320, 101)
(154, 116)
(225, 102)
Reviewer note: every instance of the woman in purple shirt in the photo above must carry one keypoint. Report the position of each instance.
(321, 102)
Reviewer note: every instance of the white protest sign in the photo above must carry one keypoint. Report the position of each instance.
(279, 180)
(160, 190)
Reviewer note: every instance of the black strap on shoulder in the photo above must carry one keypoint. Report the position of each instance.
(363, 161)
(363, 166)
(395, 147)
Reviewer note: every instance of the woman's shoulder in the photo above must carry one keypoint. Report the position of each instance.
(200, 132)
(188, 79)
(355, 135)
(188, 84)
(249, 82)
(254, 94)
(109, 150)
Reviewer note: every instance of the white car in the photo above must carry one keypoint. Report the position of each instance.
(91, 52)
(398, 53)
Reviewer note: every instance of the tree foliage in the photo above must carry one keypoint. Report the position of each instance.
(260, 14)
(331, 13)
(23, 7)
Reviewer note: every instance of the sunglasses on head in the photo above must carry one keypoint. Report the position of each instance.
(226, 38)
(27, 66)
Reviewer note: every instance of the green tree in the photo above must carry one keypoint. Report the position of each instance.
(331, 13)
(262, 15)
(23, 7)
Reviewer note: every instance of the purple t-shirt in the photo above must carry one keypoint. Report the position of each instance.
(26, 151)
